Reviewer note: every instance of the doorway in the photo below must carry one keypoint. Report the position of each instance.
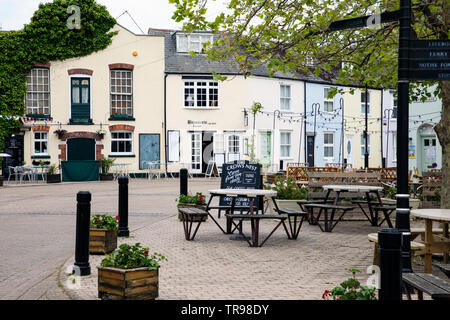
(349, 149)
(149, 149)
(310, 150)
(80, 149)
(202, 150)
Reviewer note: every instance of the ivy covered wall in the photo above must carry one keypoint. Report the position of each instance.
(47, 38)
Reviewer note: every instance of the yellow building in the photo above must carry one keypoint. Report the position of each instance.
(354, 115)
(105, 105)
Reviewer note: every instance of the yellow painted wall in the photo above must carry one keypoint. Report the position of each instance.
(148, 93)
(356, 124)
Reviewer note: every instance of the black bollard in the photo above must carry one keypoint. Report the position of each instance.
(183, 181)
(123, 207)
(81, 265)
(390, 253)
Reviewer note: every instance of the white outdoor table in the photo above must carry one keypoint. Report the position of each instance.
(434, 243)
(367, 189)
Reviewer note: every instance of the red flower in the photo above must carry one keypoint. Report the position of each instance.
(200, 198)
(325, 293)
(146, 252)
(117, 218)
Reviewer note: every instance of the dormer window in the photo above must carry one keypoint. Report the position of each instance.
(192, 42)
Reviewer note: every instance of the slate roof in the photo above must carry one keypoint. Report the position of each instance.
(184, 63)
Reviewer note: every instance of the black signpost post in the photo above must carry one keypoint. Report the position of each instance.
(417, 60)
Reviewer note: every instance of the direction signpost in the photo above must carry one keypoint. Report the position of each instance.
(417, 60)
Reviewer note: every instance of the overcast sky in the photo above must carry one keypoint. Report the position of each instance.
(147, 13)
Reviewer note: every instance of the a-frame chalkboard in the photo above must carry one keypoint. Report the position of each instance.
(241, 175)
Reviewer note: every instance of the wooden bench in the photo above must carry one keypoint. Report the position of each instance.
(255, 218)
(437, 288)
(189, 216)
(329, 222)
(318, 179)
(415, 232)
(445, 268)
(416, 247)
(292, 216)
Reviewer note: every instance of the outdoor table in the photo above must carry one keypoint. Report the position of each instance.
(367, 190)
(121, 169)
(434, 243)
(235, 193)
(39, 170)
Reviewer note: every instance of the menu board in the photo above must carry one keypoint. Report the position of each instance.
(240, 175)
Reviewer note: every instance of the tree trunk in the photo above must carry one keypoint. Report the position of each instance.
(443, 131)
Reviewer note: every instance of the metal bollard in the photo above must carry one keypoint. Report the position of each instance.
(81, 264)
(390, 252)
(184, 181)
(123, 207)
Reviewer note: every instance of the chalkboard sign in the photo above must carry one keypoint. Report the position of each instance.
(240, 175)
(211, 169)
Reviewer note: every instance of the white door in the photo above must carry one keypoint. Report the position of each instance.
(349, 149)
(196, 152)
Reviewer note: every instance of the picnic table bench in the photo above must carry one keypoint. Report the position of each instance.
(292, 217)
(329, 221)
(255, 218)
(445, 268)
(416, 247)
(189, 216)
(437, 288)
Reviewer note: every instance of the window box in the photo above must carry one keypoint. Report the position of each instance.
(39, 116)
(122, 155)
(121, 117)
(80, 121)
(40, 156)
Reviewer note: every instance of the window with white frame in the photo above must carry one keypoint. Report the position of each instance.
(233, 144)
(285, 97)
(192, 42)
(41, 142)
(363, 102)
(201, 94)
(363, 145)
(394, 145)
(37, 98)
(121, 142)
(327, 102)
(121, 92)
(328, 145)
(285, 144)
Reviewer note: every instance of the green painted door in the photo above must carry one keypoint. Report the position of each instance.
(80, 149)
(265, 151)
(80, 100)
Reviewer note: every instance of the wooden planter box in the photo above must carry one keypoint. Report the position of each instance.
(106, 177)
(127, 284)
(53, 178)
(189, 205)
(102, 241)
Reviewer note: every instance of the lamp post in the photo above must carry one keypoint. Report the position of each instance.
(275, 113)
(387, 114)
(315, 108)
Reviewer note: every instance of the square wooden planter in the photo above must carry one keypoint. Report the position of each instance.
(102, 241)
(189, 205)
(127, 284)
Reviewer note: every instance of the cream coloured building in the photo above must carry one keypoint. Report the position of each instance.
(108, 104)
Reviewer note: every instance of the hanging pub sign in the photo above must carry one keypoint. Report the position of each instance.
(429, 60)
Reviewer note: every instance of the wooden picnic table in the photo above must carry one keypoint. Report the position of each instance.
(434, 243)
(367, 190)
(252, 216)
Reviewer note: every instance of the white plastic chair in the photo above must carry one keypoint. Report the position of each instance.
(12, 172)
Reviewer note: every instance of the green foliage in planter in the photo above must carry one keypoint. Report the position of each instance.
(350, 289)
(199, 198)
(46, 38)
(391, 193)
(52, 169)
(106, 164)
(436, 197)
(287, 189)
(102, 221)
(130, 257)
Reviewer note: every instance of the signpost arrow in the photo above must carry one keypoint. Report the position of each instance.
(429, 60)
(365, 21)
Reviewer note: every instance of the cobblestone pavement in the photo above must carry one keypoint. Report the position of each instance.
(37, 225)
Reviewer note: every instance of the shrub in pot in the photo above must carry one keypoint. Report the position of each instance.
(52, 174)
(187, 201)
(103, 234)
(350, 289)
(129, 273)
(288, 193)
(106, 164)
